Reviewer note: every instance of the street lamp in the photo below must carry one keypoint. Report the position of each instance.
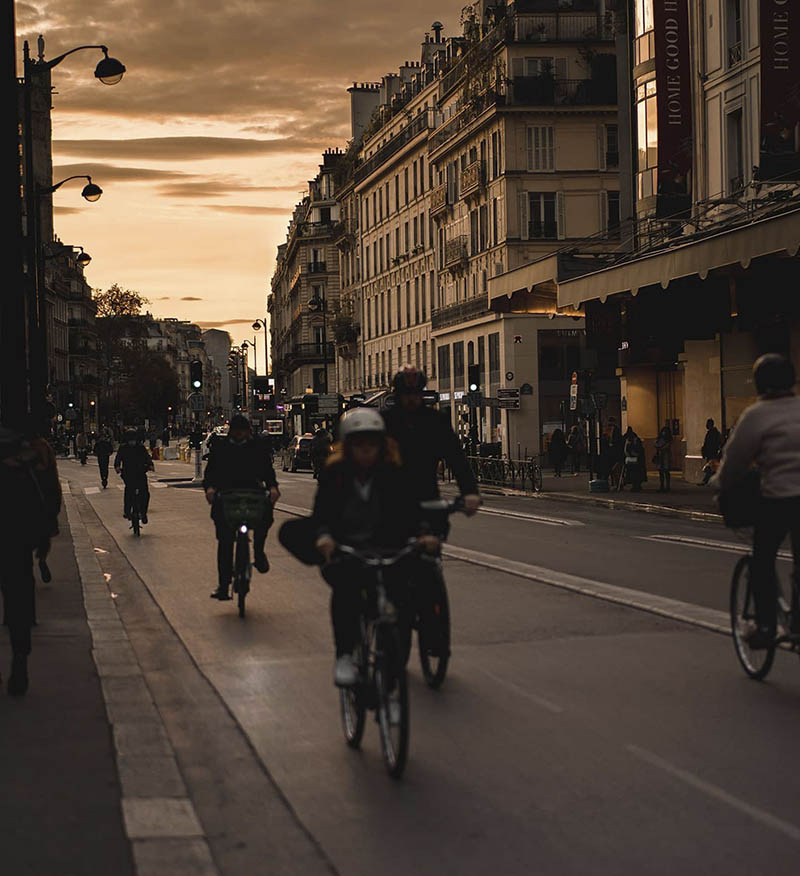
(109, 71)
(257, 326)
(82, 260)
(90, 191)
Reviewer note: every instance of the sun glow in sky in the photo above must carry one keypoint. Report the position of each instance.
(208, 142)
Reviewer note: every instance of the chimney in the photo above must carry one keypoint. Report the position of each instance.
(437, 27)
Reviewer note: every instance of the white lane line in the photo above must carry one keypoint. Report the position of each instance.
(521, 692)
(675, 609)
(759, 815)
(155, 485)
(727, 546)
(533, 518)
(90, 490)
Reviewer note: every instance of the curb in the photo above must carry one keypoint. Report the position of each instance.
(159, 817)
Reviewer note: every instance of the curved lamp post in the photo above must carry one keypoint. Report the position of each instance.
(109, 71)
(257, 326)
(83, 259)
(91, 192)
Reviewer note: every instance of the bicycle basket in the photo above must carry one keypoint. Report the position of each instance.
(249, 507)
(739, 504)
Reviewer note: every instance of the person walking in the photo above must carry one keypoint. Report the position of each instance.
(103, 449)
(576, 446)
(663, 457)
(29, 474)
(711, 451)
(81, 446)
(558, 451)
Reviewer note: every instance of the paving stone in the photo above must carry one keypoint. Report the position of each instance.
(150, 777)
(160, 817)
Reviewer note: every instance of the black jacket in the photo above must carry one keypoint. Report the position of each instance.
(388, 519)
(103, 448)
(426, 437)
(243, 466)
(134, 461)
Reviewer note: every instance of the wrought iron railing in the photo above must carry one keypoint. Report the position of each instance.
(546, 90)
(455, 250)
(563, 27)
(439, 199)
(472, 177)
(461, 312)
(524, 475)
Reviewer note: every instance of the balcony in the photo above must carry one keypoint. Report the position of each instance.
(309, 353)
(316, 229)
(564, 26)
(412, 130)
(455, 251)
(439, 200)
(317, 267)
(546, 90)
(296, 277)
(465, 311)
(472, 177)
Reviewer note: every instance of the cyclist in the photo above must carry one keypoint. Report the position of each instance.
(237, 461)
(363, 500)
(425, 437)
(320, 449)
(133, 462)
(768, 435)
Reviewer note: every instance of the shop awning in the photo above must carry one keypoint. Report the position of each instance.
(524, 278)
(767, 236)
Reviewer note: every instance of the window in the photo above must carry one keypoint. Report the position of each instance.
(425, 356)
(612, 214)
(369, 370)
(368, 320)
(415, 222)
(473, 232)
(416, 300)
(422, 230)
(647, 139)
(397, 191)
(383, 314)
(542, 221)
(483, 230)
(389, 372)
(408, 302)
(416, 354)
(422, 174)
(366, 213)
(735, 151)
(389, 311)
(405, 236)
(540, 147)
(380, 253)
(416, 179)
(610, 147)
(644, 45)
(444, 367)
(424, 297)
(494, 362)
(733, 31)
(458, 365)
(405, 183)
(495, 223)
(399, 314)
(397, 242)
(380, 204)
(495, 168)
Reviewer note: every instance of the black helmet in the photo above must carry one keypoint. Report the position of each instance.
(130, 435)
(409, 379)
(239, 421)
(773, 374)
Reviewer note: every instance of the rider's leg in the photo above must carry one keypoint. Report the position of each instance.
(771, 529)
(19, 600)
(127, 500)
(224, 562)
(259, 539)
(144, 498)
(345, 582)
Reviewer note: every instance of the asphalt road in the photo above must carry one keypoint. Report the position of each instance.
(573, 735)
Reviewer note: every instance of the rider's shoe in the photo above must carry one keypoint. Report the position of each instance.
(221, 594)
(759, 638)
(261, 562)
(144, 518)
(345, 672)
(44, 571)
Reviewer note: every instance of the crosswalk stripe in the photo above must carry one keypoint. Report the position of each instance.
(90, 490)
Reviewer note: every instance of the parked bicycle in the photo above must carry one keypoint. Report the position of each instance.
(758, 662)
(242, 511)
(382, 685)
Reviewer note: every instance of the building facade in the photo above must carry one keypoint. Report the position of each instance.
(704, 284)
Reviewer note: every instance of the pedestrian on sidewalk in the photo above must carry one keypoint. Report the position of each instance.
(616, 451)
(103, 449)
(576, 446)
(28, 520)
(558, 451)
(711, 451)
(635, 467)
(663, 457)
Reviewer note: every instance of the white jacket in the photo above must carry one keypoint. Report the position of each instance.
(767, 434)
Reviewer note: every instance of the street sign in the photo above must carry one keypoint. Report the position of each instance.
(508, 398)
(197, 401)
(573, 397)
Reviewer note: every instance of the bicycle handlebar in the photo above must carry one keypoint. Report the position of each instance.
(373, 561)
(443, 506)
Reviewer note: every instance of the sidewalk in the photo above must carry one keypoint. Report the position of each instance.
(60, 812)
(684, 499)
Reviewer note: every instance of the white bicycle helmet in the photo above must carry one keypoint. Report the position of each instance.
(360, 421)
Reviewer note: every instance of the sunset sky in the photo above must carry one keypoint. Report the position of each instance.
(208, 142)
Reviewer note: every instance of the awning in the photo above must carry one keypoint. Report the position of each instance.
(524, 278)
(775, 234)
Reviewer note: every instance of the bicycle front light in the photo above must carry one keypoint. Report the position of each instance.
(243, 528)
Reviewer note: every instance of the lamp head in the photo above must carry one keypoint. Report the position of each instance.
(83, 258)
(109, 70)
(91, 192)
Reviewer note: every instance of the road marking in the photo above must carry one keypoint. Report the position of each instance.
(155, 485)
(674, 609)
(534, 518)
(697, 615)
(90, 490)
(759, 815)
(726, 546)
(521, 692)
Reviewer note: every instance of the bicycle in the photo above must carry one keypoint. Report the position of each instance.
(382, 684)
(434, 644)
(757, 663)
(242, 511)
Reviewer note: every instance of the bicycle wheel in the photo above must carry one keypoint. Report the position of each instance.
(241, 576)
(743, 619)
(434, 639)
(393, 713)
(353, 709)
(135, 523)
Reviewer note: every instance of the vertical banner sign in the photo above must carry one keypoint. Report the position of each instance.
(674, 101)
(780, 89)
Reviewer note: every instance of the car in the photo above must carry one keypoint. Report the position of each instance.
(298, 453)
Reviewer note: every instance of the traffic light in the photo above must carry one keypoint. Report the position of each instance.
(474, 378)
(196, 375)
